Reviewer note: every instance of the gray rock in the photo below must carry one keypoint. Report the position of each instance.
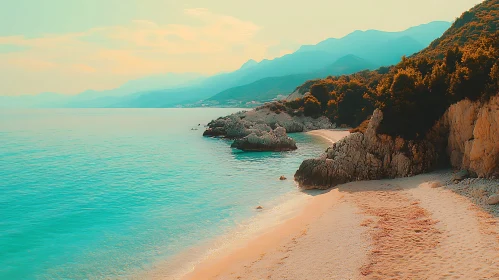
(260, 141)
(242, 124)
(461, 175)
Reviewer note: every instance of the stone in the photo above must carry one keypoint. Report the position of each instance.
(259, 208)
(435, 184)
(493, 200)
(461, 175)
(260, 141)
(282, 178)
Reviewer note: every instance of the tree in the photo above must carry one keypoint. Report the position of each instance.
(321, 93)
(352, 107)
(312, 107)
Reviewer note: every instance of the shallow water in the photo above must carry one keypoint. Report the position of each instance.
(99, 193)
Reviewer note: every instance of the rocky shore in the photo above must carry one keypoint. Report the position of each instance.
(264, 128)
(274, 140)
(467, 136)
(366, 156)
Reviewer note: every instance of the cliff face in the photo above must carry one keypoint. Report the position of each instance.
(467, 134)
(367, 156)
(473, 136)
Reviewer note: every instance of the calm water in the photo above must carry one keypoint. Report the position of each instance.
(96, 193)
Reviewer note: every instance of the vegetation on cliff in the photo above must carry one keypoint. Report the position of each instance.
(415, 93)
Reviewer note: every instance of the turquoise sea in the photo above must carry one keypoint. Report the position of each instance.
(102, 193)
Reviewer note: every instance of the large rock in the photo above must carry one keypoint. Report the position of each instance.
(367, 156)
(244, 123)
(472, 141)
(493, 200)
(262, 140)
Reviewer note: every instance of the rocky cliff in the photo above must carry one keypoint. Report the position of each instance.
(367, 156)
(472, 130)
(467, 136)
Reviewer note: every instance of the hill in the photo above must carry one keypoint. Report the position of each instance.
(480, 21)
(379, 48)
(269, 89)
(415, 93)
(385, 48)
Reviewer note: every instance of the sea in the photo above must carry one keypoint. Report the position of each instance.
(107, 193)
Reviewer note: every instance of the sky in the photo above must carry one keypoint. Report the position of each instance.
(67, 47)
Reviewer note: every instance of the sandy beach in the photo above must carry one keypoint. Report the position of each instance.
(407, 228)
(332, 135)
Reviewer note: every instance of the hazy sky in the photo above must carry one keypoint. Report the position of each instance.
(68, 46)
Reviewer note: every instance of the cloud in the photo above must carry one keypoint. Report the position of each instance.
(104, 57)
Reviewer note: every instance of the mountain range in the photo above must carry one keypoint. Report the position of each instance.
(254, 82)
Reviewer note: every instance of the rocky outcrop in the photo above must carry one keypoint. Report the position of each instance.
(264, 128)
(472, 136)
(493, 200)
(367, 156)
(467, 134)
(273, 140)
(295, 94)
(244, 123)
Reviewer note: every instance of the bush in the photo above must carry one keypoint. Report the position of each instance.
(312, 107)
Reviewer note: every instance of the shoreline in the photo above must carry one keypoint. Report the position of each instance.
(331, 135)
(359, 229)
(282, 211)
(177, 267)
(309, 209)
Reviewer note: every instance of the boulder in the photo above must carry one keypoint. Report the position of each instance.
(493, 200)
(282, 178)
(260, 141)
(435, 184)
(259, 208)
(461, 175)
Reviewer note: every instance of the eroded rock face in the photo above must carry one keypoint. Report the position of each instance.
(367, 156)
(468, 134)
(473, 136)
(263, 140)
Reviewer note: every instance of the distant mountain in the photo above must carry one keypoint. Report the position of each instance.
(372, 48)
(383, 48)
(268, 89)
(253, 80)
